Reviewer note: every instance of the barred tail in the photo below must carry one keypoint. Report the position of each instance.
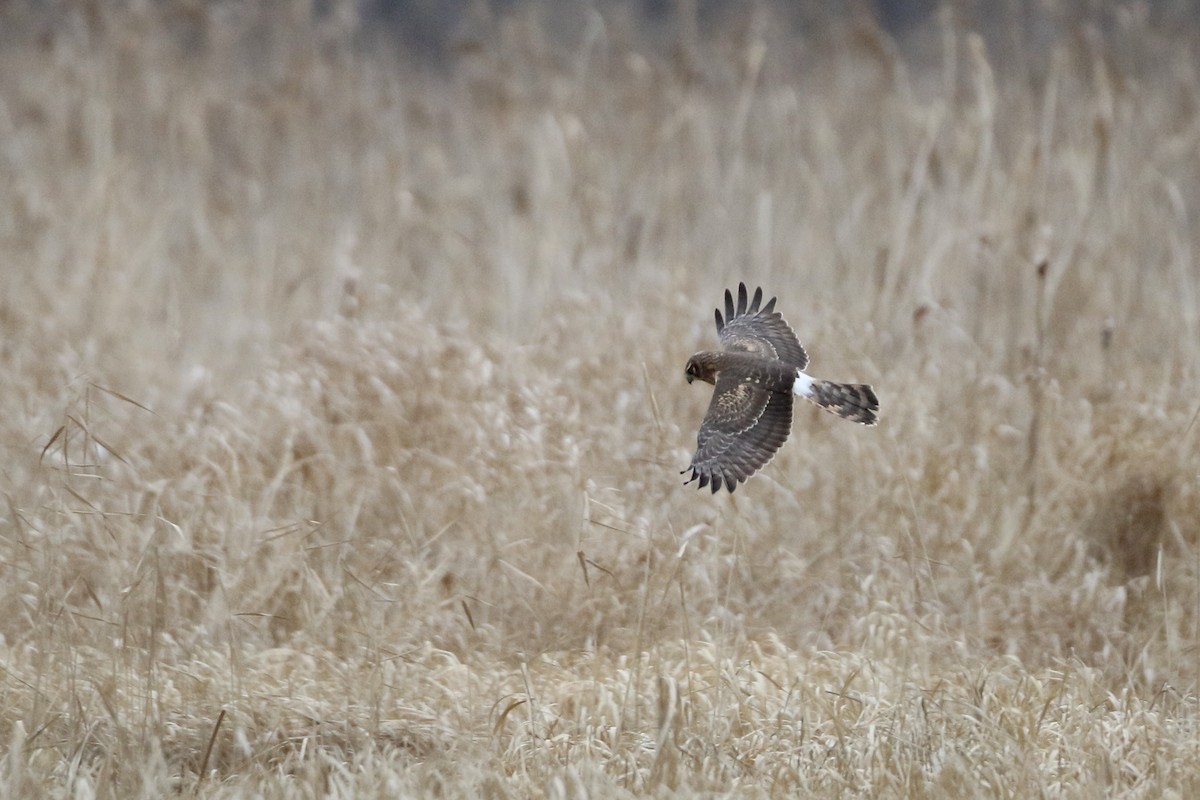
(853, 401)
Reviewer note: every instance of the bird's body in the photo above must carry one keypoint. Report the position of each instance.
(756, 373)
(770, 373)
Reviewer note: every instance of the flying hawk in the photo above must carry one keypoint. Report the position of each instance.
(760, 366)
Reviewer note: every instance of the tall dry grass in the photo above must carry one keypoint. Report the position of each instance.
(344, 407)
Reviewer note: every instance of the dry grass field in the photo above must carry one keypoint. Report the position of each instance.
(344, 407)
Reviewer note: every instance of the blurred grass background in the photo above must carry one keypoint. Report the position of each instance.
(342, 372)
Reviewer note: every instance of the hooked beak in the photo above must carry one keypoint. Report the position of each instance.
(690, 377)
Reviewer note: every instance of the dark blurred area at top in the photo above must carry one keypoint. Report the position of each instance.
(431, 25)
(430, 32)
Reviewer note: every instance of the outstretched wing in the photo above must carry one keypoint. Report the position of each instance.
(758, 330)
(743, 428)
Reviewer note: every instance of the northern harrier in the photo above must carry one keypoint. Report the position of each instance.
(760, 366)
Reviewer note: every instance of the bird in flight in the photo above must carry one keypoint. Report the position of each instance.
(757, 371)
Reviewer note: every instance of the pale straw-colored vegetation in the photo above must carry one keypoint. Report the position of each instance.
(343, 406)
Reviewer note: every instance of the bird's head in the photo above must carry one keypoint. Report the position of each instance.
(701, 367)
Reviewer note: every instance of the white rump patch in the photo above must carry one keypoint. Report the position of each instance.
(803, 385)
